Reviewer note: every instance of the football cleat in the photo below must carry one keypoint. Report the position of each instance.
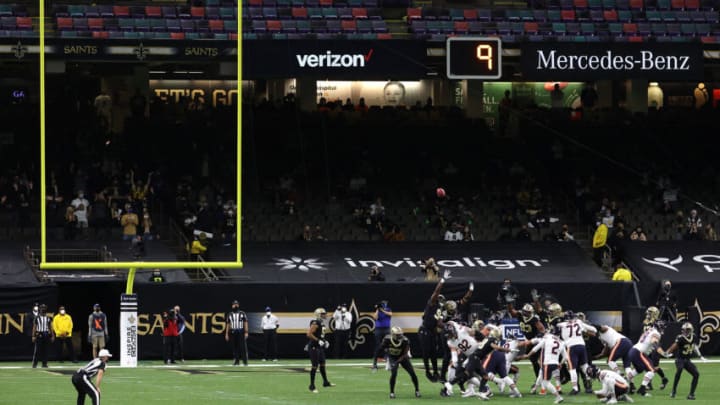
(664, 383)
(574, 392)
(417, 394)
(626, 398)
(611, 401)
(470, 392)
(691, 397)
(501, 386)
(328, 384)
(484, 396)
(448, 389)
(392, 395)
(558, 400)
(313, 389)
(672, 394)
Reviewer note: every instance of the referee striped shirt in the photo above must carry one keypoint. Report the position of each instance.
(237, 320)
(42, 324)
(92, 368)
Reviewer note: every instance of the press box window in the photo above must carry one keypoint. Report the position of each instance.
(474, 58)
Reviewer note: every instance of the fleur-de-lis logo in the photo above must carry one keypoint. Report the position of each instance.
(298, 263)
(19, 50)
(141, 52)
(131, 319)
(709, 323)
(362, 326)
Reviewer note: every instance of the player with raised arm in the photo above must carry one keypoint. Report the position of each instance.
(397, 346)
(652, 317)
(640, 358)
(552, 350)
(428, 332)
(532, 327)
(316, 349)
(571, 331)
(614, 386)
(686, 346)
(452, 311)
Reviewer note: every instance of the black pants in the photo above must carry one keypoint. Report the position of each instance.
(237, 339)
(686, 364)
(180, 353)
(341, 343)
(429, 346)
(42, 341)
(407, 366)
(84, 386)
(379, 334)
(63, 342)
(170, 345)
(270, 336)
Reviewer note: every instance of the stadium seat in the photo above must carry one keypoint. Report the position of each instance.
(110, 24)
(484, 15)
(379, 26)
(333, 26)
(345, 13)
(131, 35)
(658, 29)
(153, 12)
(100, 34)
(418, 26)
(325, 3)
(539, 15)
(142, 24)
(630, 29)
(692, 4)
(504, 27)
(213, 13)
(587, 29)
(359, 13)
(567, 5)
(559, 28)
(121, 11)
(609, 5)
(677, 4)
(653, 16)
(637, 5)
(461, 27)
(595, 4)
(230, 26)
(610, 15)
(315, 13)
(197, 12)
(531, 28)
(697, 16)
(76, 11)
(711, 16)
(289, 26)
(169, 12)
(348, 25)
(106, 11)
(187, 25)
(256, 13)
(673, 29)
(68, 34)
(644, 29)
(554, 15)
(216, 26)
(615, 29)
(330, 13)
(572, 28)
(96, 24)
(255, 3)
(568, 15)
(625, 15)
(269, 13)
(622, 4)
(384, 35)
(63, 23)
(273, 26)
(470, 14)
(173, 25)
(299, 12)
(663, 4)
(668, 16)
(413, 13)
(7, 11)
(259, 26)
(303, 26)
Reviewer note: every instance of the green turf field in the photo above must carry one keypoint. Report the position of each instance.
(285, 382)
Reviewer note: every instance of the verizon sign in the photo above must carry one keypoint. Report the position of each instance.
(654, 61)
(335, 59)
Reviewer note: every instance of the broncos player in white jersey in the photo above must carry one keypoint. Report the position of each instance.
(640, 358)
(571, 331)
(614, 386)
(552, 350)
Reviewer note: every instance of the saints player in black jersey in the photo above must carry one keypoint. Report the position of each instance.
(686, 346)
(652, 316)
(397, 347)
(316, 349)
(452, 311)
(428, 332)
(531, 327)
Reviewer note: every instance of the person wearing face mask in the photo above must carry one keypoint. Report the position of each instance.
(63, 326)
(97, 330)
(236, 332)
(30, 318)
(42, 336)
(181, 329)
(270, 325)
(343, 321)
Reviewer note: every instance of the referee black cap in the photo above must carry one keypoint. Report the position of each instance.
(235, 302)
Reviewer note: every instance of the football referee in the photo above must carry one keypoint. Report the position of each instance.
(82, 379)
(42, 336)
(236, 332)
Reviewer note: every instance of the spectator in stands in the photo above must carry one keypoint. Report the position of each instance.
(129, 221)
(139, 191)
(453, 234)
(504, 109)
(147, 224)
(523, 234)
(100, 215)
(710, 233)
(199, 248)
(467, 235)
(395, 234)
(307, 234)
(619, 232)
(81, 207)
(638, 235)
(588, 96)
(376, 274)
(622, 273)
(377, 210)
(361, 106)
(229, 224)
(556, 97)
(608, 218)
(694, 226)
(565, 235)
(115, 213)
(157, 277)
(54, 200)
(348, 106)
(70, 223)
(317, 235)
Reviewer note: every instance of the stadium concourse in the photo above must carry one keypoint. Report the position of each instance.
(571, 140)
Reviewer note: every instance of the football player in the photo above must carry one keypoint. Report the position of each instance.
(640, 358)
(453, 311)
(617, 345)
(316, 349)
(686, 347)
(571, 331)
(614, 386)
(652, 316)
(531, 327)
(463, 362)
(428, 332)
(496, 365)
(552, 349)
(397, 346)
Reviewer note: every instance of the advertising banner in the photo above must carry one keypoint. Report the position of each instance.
(128, 330)
(527, 94)
(677, 261)
(335, 59)
(382, 93)
(599, 61)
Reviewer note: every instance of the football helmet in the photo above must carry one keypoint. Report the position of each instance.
(450, 307)
(320, 313)
(527, 311)
(592, 372)
(450, 331)
(441, 300)
(495, 332)
(652, 314)
(581, 316)
(687, 329)
(555, 310)
(570, 315)
(478, 325)
(396, 332)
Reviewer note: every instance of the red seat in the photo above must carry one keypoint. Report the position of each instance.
(216, 25)
(64, 23)
(531, 27)
(610, 15)
(299, 12)
(24, 23)
(384, 35)
(636, 39)
(121, 11)
(580, 4)
(415, 12)
(233, 36)
(273, 25)
(101, 34)
(707, 40)
(326, 3)
(677, 4)
(153, 12)
(637, 5)
(692, 4)
(470, 14)
(567, 15)
(95, 24)
(197, 12)
(348, 25)
(177, 35)
(629, 28)
(359, 12)
(461, 26)
(255, 3)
